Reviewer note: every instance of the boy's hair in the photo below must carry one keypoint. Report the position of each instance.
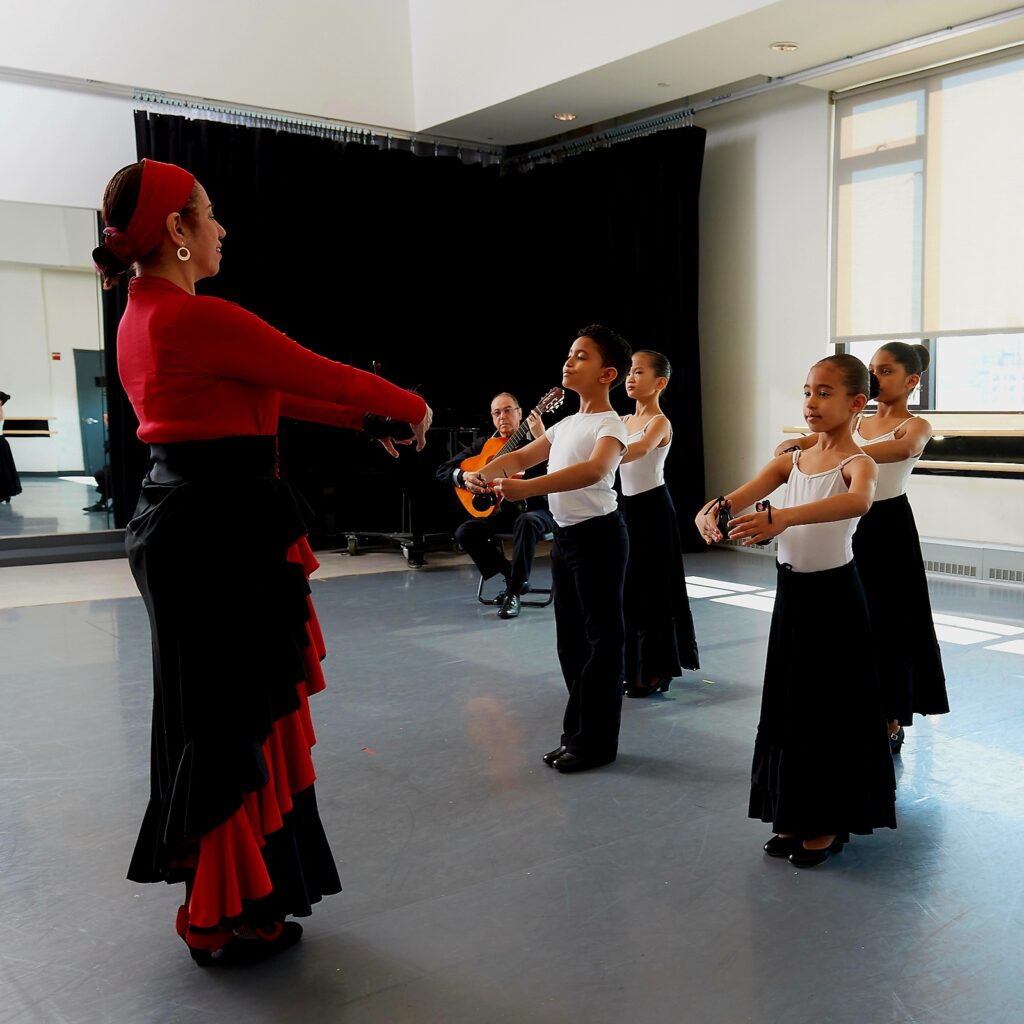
(615, 350)
(853, 372)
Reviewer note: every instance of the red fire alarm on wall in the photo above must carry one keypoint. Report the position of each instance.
(55, 356)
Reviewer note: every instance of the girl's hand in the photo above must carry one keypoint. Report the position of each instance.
(707, 523)
(420, 429)
(755, 527)
(511, 488)
(475, 482)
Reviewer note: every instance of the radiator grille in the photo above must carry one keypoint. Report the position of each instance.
(952, 569)
(1007, 575)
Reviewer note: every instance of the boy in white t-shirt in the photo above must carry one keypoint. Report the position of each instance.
(588, 559)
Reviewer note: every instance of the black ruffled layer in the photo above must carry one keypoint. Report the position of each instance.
(821, 762)
(660, 639)
(887, 551)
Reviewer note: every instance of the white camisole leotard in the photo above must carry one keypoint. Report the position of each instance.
(646, 473)
(893, 477)
(816, 546)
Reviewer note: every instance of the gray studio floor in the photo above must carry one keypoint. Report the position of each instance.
(51, 504)
(481, 886)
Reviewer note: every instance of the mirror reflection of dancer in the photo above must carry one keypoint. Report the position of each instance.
(660, 640)
(887, 548)
(477, 536)
(588, 557)
(10, 482)
(232, 810)
(813, 795)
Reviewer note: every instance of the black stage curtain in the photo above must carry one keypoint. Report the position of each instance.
(452, 277)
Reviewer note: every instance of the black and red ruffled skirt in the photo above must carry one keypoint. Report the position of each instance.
(218, 549)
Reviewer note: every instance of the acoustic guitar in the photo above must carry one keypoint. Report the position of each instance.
(480, 506)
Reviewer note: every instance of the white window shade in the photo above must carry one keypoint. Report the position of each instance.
(928, 233)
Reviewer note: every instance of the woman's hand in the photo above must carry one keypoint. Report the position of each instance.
(389, 443)
(758, 527)
(512, 488)
(419, 430)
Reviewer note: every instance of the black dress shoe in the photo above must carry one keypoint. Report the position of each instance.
(804, 858)
(577, 763)
(783, 846)
(553, 755)
(509, 607)
(896, 741)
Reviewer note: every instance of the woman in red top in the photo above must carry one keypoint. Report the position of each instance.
(232, 810)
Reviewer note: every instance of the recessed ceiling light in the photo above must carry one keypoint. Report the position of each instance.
(784, 47)
(565, 117)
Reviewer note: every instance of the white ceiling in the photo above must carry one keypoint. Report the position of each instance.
(714, 57)
(481, 70)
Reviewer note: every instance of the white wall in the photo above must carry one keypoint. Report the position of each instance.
(347, 59)
(60, 146)
(764, 305)
(49, 302)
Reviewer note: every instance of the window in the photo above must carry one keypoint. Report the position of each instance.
(928, 229)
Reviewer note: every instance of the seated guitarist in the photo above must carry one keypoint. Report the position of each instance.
(477, 535)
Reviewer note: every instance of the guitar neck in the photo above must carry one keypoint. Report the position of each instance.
(514, 439)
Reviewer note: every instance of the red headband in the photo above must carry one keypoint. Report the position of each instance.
(165, 189)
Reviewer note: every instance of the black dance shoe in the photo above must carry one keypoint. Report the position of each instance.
(568, 763)
(509, 607)
(654, 686)
(783, 846)
(896, 741)
(240, 952)
(804, 858)
(553, 755)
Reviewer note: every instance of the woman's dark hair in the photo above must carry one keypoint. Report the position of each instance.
(853, 372)
(659, 362)
(615, 350)
(120, 198)
(913, 358)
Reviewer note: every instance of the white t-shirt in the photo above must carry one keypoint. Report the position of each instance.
(572, 441)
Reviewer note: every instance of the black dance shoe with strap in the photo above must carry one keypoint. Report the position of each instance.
(804, 858)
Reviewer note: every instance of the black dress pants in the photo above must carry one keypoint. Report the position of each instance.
(476, 537)
(588, 566)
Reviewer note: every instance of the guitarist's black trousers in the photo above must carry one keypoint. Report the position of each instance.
(477, 539)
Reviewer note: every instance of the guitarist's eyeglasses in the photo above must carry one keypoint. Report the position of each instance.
(495, 413)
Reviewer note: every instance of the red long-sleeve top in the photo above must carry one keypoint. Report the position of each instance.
(197, 368)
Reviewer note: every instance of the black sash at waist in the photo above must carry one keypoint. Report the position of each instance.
(247, 456)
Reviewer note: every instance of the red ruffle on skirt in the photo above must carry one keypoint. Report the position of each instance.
(230, 866)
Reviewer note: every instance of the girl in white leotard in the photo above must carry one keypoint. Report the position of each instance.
(660, 641)
(816, 794)
(887, 548)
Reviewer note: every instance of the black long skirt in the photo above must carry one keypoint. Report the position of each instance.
(887, 551)
(217, 547)
(821, 763)
(10, 482)
(660, 640)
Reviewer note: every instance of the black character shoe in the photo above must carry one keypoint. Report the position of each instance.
(783, 846)
(896, 740)
(553, 755)
(240, 952)
(568, 763)
(804, 858)
(509, 607)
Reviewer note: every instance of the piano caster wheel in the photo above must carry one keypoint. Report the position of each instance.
(413, 556)
(353, 544)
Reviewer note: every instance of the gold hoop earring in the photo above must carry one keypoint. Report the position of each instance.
(184, 255)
